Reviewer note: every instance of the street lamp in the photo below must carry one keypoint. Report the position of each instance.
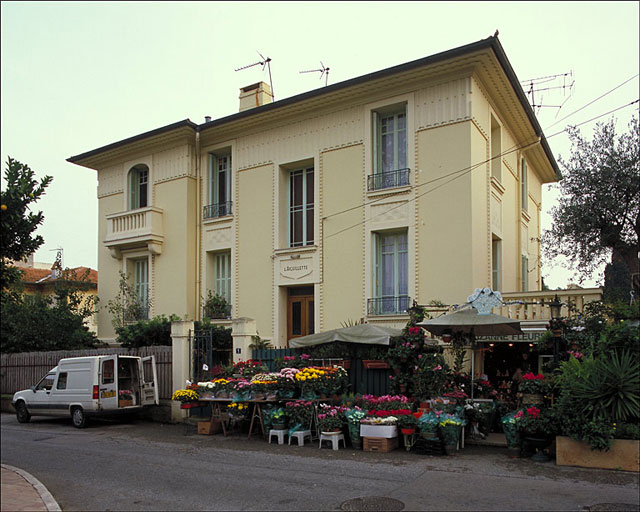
(556, 308)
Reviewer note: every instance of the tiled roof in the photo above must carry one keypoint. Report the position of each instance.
(33, 275)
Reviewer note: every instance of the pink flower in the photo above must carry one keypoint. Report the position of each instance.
(420, 356)
(414, 330)
(437, 368)
(305, 356)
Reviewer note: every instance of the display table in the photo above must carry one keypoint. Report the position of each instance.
(256, 412)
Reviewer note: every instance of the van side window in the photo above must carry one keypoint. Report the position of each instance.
(47, 382)
(62, 381)
(107, 371)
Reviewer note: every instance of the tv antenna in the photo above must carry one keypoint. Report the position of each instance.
(323, 71)
(562, 82)
(265, 63)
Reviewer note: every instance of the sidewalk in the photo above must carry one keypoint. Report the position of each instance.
(22, 491)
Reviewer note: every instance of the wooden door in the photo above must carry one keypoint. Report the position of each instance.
(300, 313)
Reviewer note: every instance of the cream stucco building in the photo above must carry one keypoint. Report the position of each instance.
(418, 182)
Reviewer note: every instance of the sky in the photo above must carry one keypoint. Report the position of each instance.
(80, 75)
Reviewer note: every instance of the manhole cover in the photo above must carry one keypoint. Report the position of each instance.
(372, 503)
(612, 507)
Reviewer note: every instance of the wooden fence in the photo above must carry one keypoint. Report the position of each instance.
(362, 381)
(20, 371)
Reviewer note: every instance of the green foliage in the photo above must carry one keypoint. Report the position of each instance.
(599, 210)
(127, 306)
(257, 343)
(216, 306)
(431, 375)
(17, 221)
(146, 333)
(627, 431)
(44, 323)
(532, 420)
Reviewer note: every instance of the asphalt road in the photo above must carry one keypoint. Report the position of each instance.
(150, 466)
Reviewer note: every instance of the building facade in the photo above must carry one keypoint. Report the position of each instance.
(418, 182)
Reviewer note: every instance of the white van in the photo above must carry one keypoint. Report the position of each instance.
(84, 386)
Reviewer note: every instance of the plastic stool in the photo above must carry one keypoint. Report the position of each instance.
(279, 433)
(335, 440)
(300, 435)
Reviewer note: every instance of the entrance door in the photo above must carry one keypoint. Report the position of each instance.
(300, 312)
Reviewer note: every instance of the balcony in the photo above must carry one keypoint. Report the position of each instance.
(135, 228)
(391, 179)
(388, 305)
(213, 211)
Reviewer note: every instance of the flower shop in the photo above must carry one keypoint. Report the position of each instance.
(431, 403)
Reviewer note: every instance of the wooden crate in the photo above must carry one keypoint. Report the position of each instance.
(209, 427)
(379, 444)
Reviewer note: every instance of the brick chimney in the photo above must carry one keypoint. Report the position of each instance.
(255, 95)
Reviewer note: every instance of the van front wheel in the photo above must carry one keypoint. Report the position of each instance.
(21, 413)
(78, 417)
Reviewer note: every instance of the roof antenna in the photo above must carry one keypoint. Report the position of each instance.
(323, 71)
(265, 62)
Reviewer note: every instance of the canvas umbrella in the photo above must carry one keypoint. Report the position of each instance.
(469, 321)
(361, 333)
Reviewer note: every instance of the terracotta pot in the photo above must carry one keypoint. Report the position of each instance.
(408, 431)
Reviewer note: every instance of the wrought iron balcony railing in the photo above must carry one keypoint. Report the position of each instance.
(388, 305)
(213, 211)
(391, 179)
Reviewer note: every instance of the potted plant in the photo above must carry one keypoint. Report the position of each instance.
(188, 398)
(237, 411)
(537, 428)
(310, 381)
(330, 420)
(407, 423)
(300, 414)
(279, 419)
(286, 382)
(533, 388)
(216, 306)
(428, 425)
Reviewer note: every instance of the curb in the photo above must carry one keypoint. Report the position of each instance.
(48, 500)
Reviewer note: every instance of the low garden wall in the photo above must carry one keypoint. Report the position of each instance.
(623, 455)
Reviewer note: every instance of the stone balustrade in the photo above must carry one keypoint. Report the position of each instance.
(141, 227)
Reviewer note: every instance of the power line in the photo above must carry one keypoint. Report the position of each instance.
(592, 102)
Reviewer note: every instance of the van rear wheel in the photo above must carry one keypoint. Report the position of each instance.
(22, 414)
(78, 417)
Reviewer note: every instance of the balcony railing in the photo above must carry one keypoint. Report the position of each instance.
(534, 306)
(141, 226)
(213, 211)
(388, 305)
(391, 179)
(217, 313)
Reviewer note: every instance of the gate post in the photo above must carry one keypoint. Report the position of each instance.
(180, 362)
(243, 330)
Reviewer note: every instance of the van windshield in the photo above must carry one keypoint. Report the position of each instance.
(47, 382)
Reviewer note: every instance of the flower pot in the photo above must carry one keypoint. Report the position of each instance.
(356, 443)
(271, 396)
(532, 398)
(258, 396)
(557, 332)
(279, 426)
(333, 432)
(222, 394)
(451, 448)
(408, 431)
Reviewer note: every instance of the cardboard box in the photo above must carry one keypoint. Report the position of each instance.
(387, 431)
(379, 444)
(209, 427)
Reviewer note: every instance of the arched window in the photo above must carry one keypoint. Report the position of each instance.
(138, 181)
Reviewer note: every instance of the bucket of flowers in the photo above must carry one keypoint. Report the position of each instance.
(511, 433)
(330, 419)
(263, 384)
(249, 368)
(221, 387)
(450, 430)
(188, 398)
(335, 380)
(354, 417)
(239, 389)
(406, 421)
(206, 389)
